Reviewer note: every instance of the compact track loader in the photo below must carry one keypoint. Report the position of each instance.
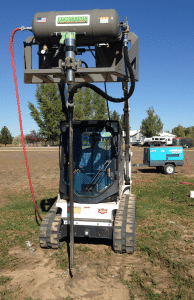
(101, 207)
(95, 198)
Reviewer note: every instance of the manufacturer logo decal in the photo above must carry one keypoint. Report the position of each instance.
(102, 211)
(76, 20)
(176, 150)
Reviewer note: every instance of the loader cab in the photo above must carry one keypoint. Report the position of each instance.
(98, 161)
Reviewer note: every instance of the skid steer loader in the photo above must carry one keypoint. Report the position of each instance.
(95, 198)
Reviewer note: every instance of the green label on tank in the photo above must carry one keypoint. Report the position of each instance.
(75, 20)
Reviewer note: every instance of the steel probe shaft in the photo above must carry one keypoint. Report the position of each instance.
(71, 192)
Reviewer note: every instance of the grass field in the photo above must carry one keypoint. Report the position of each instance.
(162, 266)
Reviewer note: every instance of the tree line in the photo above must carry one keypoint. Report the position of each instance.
(48, 114)
(152, 125)
(33, 137)
(181, 131)
(88, 105)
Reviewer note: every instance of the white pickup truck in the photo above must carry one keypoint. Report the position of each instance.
(158, 141)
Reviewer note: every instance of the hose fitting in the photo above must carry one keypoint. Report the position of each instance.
(25, 28)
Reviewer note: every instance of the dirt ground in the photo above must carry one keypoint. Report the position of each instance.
(98, 274)
(44, 169)
(39, 278)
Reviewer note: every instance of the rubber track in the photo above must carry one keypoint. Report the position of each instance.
(54, 233)
(49, 229)
(125, 225)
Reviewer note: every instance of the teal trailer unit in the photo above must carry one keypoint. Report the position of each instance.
(164, 158)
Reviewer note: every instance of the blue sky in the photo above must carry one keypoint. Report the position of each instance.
(166, 59)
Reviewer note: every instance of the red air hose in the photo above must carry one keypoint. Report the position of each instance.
(20, 120)
(187, 165)
(189, 183)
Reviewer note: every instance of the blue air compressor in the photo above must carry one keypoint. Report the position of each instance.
(164, 158)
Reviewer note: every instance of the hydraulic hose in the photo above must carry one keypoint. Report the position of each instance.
(20, 120)
(103, 94)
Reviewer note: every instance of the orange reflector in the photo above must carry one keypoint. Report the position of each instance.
(77, 210)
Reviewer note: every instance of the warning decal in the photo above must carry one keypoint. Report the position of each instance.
(104, 19)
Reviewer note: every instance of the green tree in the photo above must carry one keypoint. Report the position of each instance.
(151, 125)
(179, 131)
(99, 107)
(191, 133)
(5, 136)
(48, 114)
(17, 140)
(88, 105)
(187, 131)
(115, 116)
(78, 110)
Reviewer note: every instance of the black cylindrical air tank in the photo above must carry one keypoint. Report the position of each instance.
(90, 26)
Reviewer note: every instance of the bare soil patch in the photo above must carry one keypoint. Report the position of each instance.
(44, 171)
(97, 276)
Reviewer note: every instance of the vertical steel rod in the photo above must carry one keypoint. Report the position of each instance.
(69, 38)
(71, 191)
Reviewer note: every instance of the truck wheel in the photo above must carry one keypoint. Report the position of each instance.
(169, 169)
